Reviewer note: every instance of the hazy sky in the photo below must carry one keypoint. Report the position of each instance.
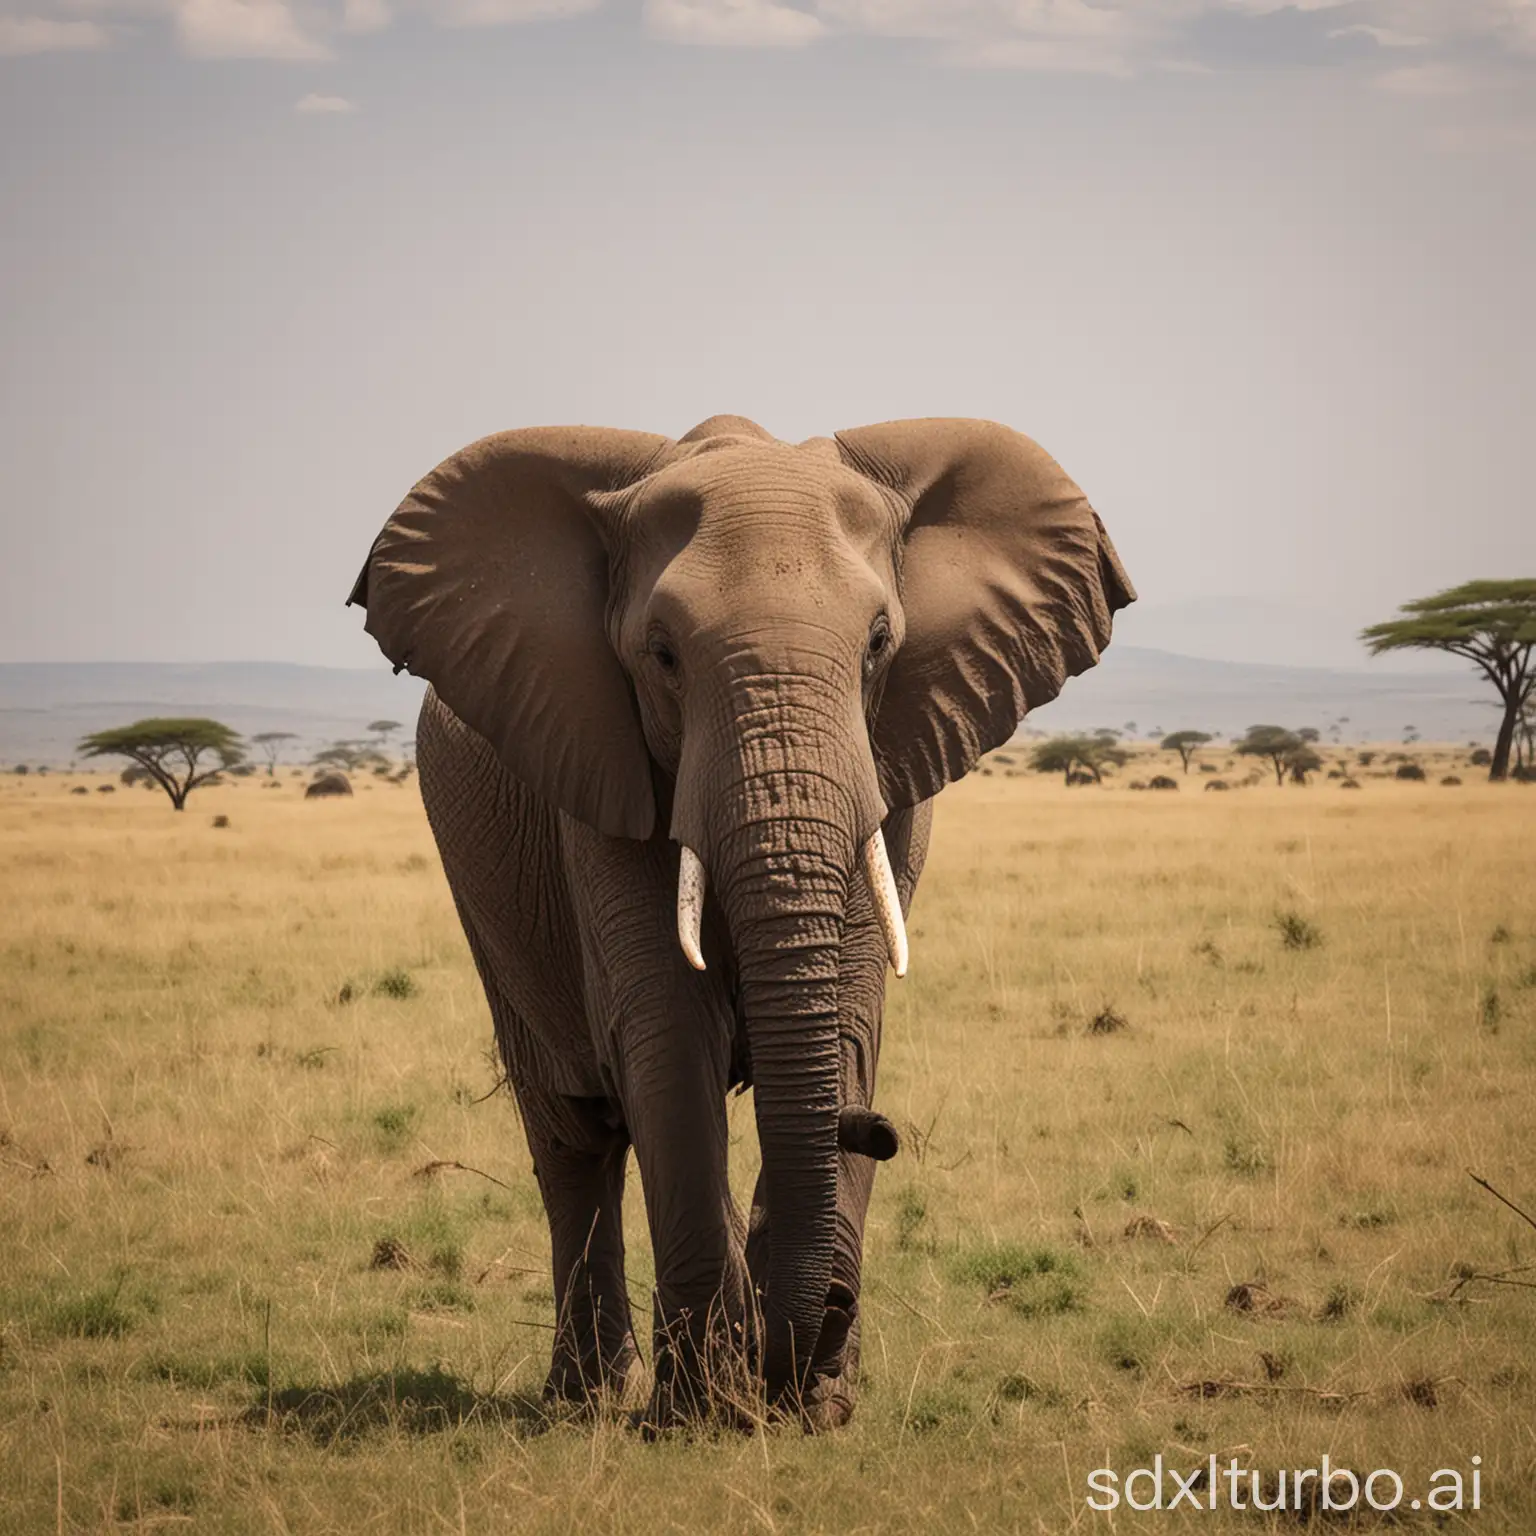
(1259, 275)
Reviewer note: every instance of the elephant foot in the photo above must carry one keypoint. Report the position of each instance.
(583, 1380)
(828, 1401)
(702, 1383)
(731, 1402)
(829, 1405)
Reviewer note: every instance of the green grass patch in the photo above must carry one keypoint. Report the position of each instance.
(396, 983)
(393, 1125)
(1033, 1282)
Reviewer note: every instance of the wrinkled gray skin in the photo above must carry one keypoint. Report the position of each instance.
(753, 609)
(613, 1041)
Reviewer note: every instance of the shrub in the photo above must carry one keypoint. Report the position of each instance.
(1450, 780)
(398, 984)
(1409, 771)
(1162, 781)
(390, 1253)
(1108, 1021)
(1341, 1300)
(1482, 758)
(1296, 932)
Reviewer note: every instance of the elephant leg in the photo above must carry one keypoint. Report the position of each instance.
(665, 1031)
(674, 1077)
(580, 1148)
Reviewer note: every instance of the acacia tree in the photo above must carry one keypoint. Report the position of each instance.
(1525, 740)
(1090, 754)
(1301, 762)
(1490, 623)
(170, 751)
(271, 744)
(350, 755)
(382, 730)
(1186, 744)
(1274, 742)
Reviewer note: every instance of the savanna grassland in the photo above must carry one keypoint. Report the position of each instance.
(1190, 1085)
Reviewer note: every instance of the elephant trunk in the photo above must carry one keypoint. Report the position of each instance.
(783, 889)
(776, 799)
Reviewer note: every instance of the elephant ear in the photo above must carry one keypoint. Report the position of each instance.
(1008, 584)
(491, 581)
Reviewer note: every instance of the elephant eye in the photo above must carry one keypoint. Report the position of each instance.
(666, 657)
(878, 645)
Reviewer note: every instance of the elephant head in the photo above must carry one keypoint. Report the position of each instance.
(774, 645)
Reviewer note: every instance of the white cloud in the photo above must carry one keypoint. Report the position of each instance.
(1042, 56)
(1269, 7)
(732, 23)
(1492, 24)
(995, 20)
(1056, 36)
(323, 105)
(1106, 37)
(245, 29)
(1383, 37)
(365, 15)
(500, 13)
(21, 35)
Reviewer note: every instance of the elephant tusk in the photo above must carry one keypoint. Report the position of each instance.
(691, 885)
(882, 888)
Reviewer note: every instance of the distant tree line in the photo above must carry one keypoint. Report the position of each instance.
(184, 754)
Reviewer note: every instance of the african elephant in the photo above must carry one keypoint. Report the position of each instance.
(690, 700)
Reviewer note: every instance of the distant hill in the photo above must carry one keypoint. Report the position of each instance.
(1158, 689)
(45, 707)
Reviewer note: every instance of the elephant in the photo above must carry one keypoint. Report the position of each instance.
(689, 703)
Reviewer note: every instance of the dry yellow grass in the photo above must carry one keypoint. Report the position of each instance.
(203, 1144)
